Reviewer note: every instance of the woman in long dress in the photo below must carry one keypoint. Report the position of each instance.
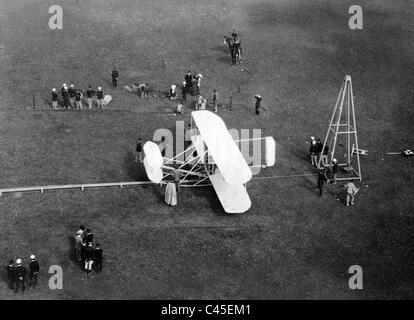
(171, 194)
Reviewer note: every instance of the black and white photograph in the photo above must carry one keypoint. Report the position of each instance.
(206, 150)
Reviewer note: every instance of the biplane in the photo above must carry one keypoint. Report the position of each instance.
(213, 156)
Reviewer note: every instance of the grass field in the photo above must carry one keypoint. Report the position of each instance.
(291, 243)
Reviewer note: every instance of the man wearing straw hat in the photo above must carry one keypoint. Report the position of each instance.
(334, 170)
(99, 96)
(184, 92)
(33, 271)
(20, 276)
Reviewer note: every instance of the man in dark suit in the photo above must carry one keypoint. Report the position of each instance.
(88, 237)
(72, 93)
(89, 257)
(258, 103)
(234, 34)
(20, 276)
(321, 179)
(115, 76)
(98, 257)
(184, 92)
(99, 97)
(319, 147)
(324, 155)
(54, 98)
(33, 271)
(215, 99)
(65, 96)
(313, 151)
(89, 94)
(188, 81)
(10, 274)
(138, 149)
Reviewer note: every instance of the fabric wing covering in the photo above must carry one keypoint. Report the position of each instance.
(222, 147)
(153, 161)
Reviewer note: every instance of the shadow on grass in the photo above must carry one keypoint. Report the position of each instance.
(302, 153)
(71, 252)
(5, 279)
(225, 59)
(134, 170)
(209, 194)
(223, 48)
(49, 102)
(160, 193)
(108, 83)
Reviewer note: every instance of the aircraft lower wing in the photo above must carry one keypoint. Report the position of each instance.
(233, 197)
(154, 174)
(153, 162)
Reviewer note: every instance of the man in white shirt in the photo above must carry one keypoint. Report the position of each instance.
(351, 191)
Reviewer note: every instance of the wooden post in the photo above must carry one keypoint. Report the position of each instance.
(33, 102)
(163, 64)
(231, 102)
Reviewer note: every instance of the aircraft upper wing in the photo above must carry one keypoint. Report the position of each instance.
(222, 147)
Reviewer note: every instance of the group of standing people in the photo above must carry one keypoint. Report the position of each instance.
(72, 97)
(88, 255)
(319, 153)
(191, 84)
(17, 274)
(235, 49)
